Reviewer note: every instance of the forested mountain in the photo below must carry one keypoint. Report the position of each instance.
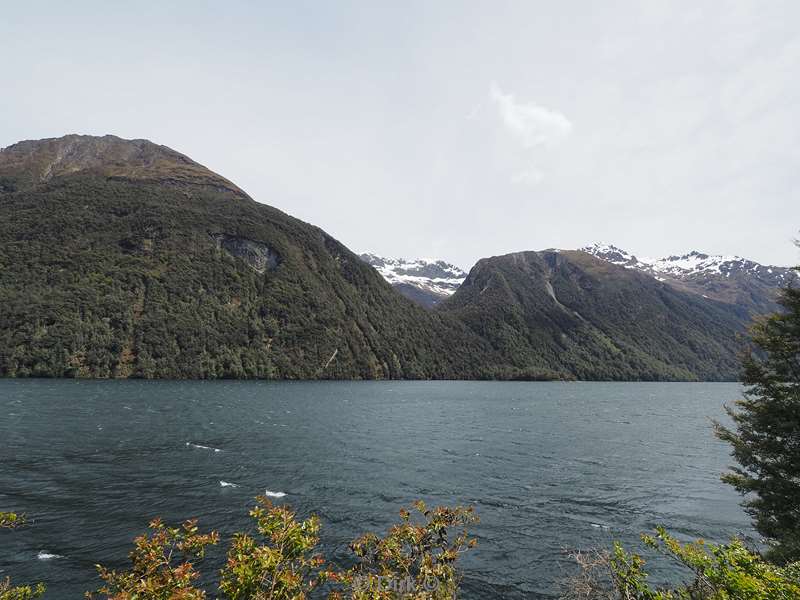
(569, 311)
(728, 279)
(124, 258)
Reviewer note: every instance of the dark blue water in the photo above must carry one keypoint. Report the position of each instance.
(548, 466)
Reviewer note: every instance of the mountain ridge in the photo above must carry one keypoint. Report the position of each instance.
(426, 281)
(127, 259)
(31, 162)
(157, 267)
(731, 279)
(568, 310)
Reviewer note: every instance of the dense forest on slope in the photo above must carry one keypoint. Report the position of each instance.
(122, 259)
(569, 311)
(126, 259)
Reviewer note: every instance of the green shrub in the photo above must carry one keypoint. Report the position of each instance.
(717, 572)
(416, 560)
(163, 565)
(24, 592)
(281, 566)
(10, 520)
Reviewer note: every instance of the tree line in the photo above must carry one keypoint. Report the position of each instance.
(418, 557)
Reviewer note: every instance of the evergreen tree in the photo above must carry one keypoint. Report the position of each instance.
(766, 442)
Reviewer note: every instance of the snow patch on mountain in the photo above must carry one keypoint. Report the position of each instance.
(689, 265)
(431, 275)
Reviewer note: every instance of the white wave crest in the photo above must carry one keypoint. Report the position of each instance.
(274, 494)
(201, 447)
(226, 484)
(47, 556)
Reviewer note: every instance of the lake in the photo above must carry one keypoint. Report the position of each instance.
(548, 466)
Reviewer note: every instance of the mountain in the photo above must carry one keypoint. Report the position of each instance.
(425, 281)
(568, 311)
(123, 258)
(728, 279)
(30, 163)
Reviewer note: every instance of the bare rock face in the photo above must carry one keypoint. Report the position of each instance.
(258, 255)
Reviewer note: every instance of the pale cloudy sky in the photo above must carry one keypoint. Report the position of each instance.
(447, 129)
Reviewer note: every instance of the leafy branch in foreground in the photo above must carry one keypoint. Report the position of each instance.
(415, 561)
(283, 566)
(23, 592)
(163, 565)
(10, 520)
(591, 580)
(718, 572)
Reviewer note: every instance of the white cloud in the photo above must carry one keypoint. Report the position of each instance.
(531, 124)
(533, 127)
(530, 177)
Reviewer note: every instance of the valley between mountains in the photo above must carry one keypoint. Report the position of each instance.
(123, 258)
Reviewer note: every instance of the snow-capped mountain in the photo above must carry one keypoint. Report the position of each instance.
(733, 280)
(423, 280)
(730, 279)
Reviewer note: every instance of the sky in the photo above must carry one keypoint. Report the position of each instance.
(453, 130)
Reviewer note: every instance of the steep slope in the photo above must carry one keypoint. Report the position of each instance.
(729, 279)
(569, 311)
(124, 258)
(425, 281)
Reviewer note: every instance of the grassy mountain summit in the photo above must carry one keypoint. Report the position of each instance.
(124, 258)
(30, 163)
(570, 311)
